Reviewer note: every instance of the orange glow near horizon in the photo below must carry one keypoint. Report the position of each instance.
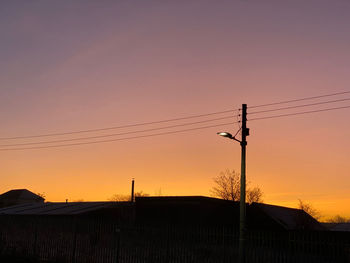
(77, 66)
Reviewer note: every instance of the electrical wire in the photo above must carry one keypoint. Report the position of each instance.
(301, 99)
(115, 127)
(298, 113)
(118, 139)
(299, 106)
(115, 134)
(171, 126)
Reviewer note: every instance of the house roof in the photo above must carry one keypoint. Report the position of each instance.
(20, 194)
(181, 200)
(289, 218)
(181, 209)
(72, 208)
(343, 227)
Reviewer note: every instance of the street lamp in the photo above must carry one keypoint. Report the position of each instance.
(242, 204)
(228, 135)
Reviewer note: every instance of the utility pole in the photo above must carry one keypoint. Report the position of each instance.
(242, 203)
(132, 190)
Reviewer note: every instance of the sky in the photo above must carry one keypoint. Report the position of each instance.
(70, 66)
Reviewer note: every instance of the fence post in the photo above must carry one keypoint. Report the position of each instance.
(35, 236)
(74, 239)
(167, 253)
(117, 247)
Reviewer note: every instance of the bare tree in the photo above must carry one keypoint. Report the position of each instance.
(227, 187)
(119, 198)
(123, 198)
(42, 195)
(338, 219)
(141, 194)
(254, 195)
(308, 208)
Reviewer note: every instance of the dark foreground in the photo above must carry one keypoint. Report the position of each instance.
(72, 241)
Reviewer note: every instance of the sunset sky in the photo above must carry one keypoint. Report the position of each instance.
(80, 65)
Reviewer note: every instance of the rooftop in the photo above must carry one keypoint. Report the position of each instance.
(72, 208)
(22, 194)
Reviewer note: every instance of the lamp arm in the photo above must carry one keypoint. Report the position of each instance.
(234, 138)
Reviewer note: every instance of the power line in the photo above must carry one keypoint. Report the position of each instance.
(119, 139)
(299, 106)
(115, 134)
(299, 113)
(176, 119)
(301, 99)
(116, 127)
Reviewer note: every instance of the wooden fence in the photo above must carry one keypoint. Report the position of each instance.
(80, 240)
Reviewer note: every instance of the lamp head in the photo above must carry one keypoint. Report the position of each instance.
(225, 134)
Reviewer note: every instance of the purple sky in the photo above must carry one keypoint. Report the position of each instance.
(71, 65)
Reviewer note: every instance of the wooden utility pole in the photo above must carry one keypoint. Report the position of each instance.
(242, 204)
